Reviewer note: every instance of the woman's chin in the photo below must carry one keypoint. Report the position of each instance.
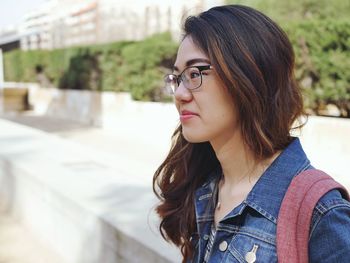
(194, 138)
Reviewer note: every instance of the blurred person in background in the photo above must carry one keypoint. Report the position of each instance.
(233, 155)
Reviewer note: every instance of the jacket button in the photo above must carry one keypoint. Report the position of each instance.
(223, 246)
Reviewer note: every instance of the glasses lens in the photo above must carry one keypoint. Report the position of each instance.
(192, 78)
(170, 83)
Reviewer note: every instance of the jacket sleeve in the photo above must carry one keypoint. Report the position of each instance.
(330, 234)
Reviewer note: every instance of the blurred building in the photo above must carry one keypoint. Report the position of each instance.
(35, 30)
(65, 23)
(80, 25)
(9, 39)
(57, 24)
(137, 19)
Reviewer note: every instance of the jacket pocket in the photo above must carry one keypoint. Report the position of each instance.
(251, 244)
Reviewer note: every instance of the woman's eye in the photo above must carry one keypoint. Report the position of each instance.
(194, 75)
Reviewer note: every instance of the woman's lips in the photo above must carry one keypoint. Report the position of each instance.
(186, 115)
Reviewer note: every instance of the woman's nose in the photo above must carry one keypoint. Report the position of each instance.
(182, 94)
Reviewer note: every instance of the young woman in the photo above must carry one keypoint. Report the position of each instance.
(233, 157)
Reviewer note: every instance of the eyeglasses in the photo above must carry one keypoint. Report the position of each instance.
(191, 78)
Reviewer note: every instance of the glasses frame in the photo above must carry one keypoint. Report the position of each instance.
(179, 78)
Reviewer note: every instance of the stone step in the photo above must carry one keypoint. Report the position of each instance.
(19, 245)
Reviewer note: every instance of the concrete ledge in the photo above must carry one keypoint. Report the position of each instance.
(14, 98)
(92, 107)
(88, 206)
(327, 144)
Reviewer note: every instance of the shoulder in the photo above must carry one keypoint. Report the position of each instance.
(330, 201)
(330, 229)
(329, 204)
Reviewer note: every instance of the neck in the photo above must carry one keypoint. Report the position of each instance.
(238, 163)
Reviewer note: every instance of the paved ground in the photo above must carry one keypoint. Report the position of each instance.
(128, 136)
(18, 244)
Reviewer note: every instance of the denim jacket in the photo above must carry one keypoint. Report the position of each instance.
(251, 226)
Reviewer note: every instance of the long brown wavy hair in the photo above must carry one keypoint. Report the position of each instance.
(255, 61)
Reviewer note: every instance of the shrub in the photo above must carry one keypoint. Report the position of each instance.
(137, 67)
(83, 72)
(322, 49)
(144, 65)
(110, 60)
(320, 34)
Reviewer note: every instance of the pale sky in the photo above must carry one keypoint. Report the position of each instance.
(11, 11)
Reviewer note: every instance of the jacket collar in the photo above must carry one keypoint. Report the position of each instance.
(267, 194)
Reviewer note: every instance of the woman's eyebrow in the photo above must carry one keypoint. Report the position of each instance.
(193, 61)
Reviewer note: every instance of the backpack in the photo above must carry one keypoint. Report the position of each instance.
(294, 218)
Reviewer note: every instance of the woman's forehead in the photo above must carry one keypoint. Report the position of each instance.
(188, 54)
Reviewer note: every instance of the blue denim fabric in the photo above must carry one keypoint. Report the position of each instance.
(253, 222)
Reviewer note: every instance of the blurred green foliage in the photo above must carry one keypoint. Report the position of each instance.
(137, 67)
(146, 62)
(322, 49)
(318, 29)
(320, 33)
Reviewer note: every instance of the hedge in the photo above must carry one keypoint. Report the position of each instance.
(320, 34)
(145, 64)
(137, 67)
(322, 48)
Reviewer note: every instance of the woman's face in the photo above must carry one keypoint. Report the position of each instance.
(206, 113)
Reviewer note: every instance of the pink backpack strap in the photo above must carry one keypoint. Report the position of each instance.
(294, 218)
